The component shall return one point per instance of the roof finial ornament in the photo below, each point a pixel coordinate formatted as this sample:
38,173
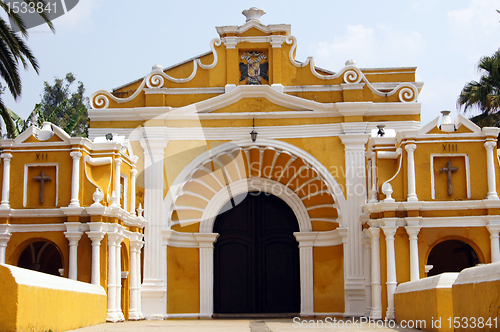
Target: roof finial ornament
253,14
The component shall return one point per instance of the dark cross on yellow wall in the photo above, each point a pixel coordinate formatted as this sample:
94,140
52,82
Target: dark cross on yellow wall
450,170
42,178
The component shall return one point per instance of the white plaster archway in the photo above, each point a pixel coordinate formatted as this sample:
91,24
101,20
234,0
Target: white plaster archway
207,238
186,174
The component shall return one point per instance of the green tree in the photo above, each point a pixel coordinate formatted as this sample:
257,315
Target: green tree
13,52
485,93
64,107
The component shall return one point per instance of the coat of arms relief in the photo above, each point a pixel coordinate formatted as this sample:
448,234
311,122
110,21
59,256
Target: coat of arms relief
254,70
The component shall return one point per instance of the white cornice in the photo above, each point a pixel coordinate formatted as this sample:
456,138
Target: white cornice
235,133
432,206
268,29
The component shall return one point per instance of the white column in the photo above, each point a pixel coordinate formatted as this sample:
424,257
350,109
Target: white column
376,312
112,315
490,162
96,238
389,232
306,240
75,179
4,239
373,169
73,235
119,279
5,204
206,246
494,242
133,174
356,198
368,279
412,189
135,249
138,274
154,284
118,163
414,260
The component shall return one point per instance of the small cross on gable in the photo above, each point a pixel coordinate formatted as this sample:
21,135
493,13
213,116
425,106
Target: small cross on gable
450,170
42,178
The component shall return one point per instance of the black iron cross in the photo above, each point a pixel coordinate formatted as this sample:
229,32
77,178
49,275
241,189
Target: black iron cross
42,178
450,170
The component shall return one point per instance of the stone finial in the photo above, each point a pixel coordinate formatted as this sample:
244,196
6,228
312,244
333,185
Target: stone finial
253,14
446,124
350,63
46,132
139,210
157,68
97,197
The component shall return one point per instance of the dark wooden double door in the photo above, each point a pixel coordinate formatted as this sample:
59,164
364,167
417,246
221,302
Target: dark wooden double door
256,257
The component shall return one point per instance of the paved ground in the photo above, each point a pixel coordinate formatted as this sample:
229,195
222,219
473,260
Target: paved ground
244,325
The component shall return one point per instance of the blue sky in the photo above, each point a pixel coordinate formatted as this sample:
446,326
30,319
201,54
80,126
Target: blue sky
110,43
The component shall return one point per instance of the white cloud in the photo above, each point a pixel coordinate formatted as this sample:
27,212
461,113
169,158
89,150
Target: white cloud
77,16
370,47
475,27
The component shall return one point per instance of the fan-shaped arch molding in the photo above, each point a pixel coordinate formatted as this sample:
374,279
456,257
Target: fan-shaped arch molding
202,188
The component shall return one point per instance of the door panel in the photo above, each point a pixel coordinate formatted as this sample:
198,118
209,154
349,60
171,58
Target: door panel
256,257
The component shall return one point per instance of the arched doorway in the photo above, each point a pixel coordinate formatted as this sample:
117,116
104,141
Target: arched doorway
256,257
451,256
41,256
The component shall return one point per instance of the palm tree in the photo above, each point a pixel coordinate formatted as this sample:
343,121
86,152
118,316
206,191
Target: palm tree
13,50
485,94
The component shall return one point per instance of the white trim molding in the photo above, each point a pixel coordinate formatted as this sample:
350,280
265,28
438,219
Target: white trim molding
467,171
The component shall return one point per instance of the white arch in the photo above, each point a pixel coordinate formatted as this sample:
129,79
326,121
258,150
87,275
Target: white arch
254,184
186,174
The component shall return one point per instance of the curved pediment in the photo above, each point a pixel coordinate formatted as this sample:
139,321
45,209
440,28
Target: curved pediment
266,97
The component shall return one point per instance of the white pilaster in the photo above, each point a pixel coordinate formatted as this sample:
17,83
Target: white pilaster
118,163
306,241
376,312
112,315
96,234
413,229
138,274
356,197
389,232
412,189
368,280
135,277
206,246
5,204
73,234
154,285
75,179
133,174
4,239
118,304
494,242
373,169
490,163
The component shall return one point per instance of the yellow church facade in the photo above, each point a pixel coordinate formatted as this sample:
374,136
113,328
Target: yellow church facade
270,187
369,207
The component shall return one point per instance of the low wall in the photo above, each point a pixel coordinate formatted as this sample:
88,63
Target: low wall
426,303
34,301
476,299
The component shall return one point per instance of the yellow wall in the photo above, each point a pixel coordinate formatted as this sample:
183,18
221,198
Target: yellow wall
183,280
428,305
328,279
31,308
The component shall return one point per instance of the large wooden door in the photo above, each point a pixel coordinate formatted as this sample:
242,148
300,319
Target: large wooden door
256,257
